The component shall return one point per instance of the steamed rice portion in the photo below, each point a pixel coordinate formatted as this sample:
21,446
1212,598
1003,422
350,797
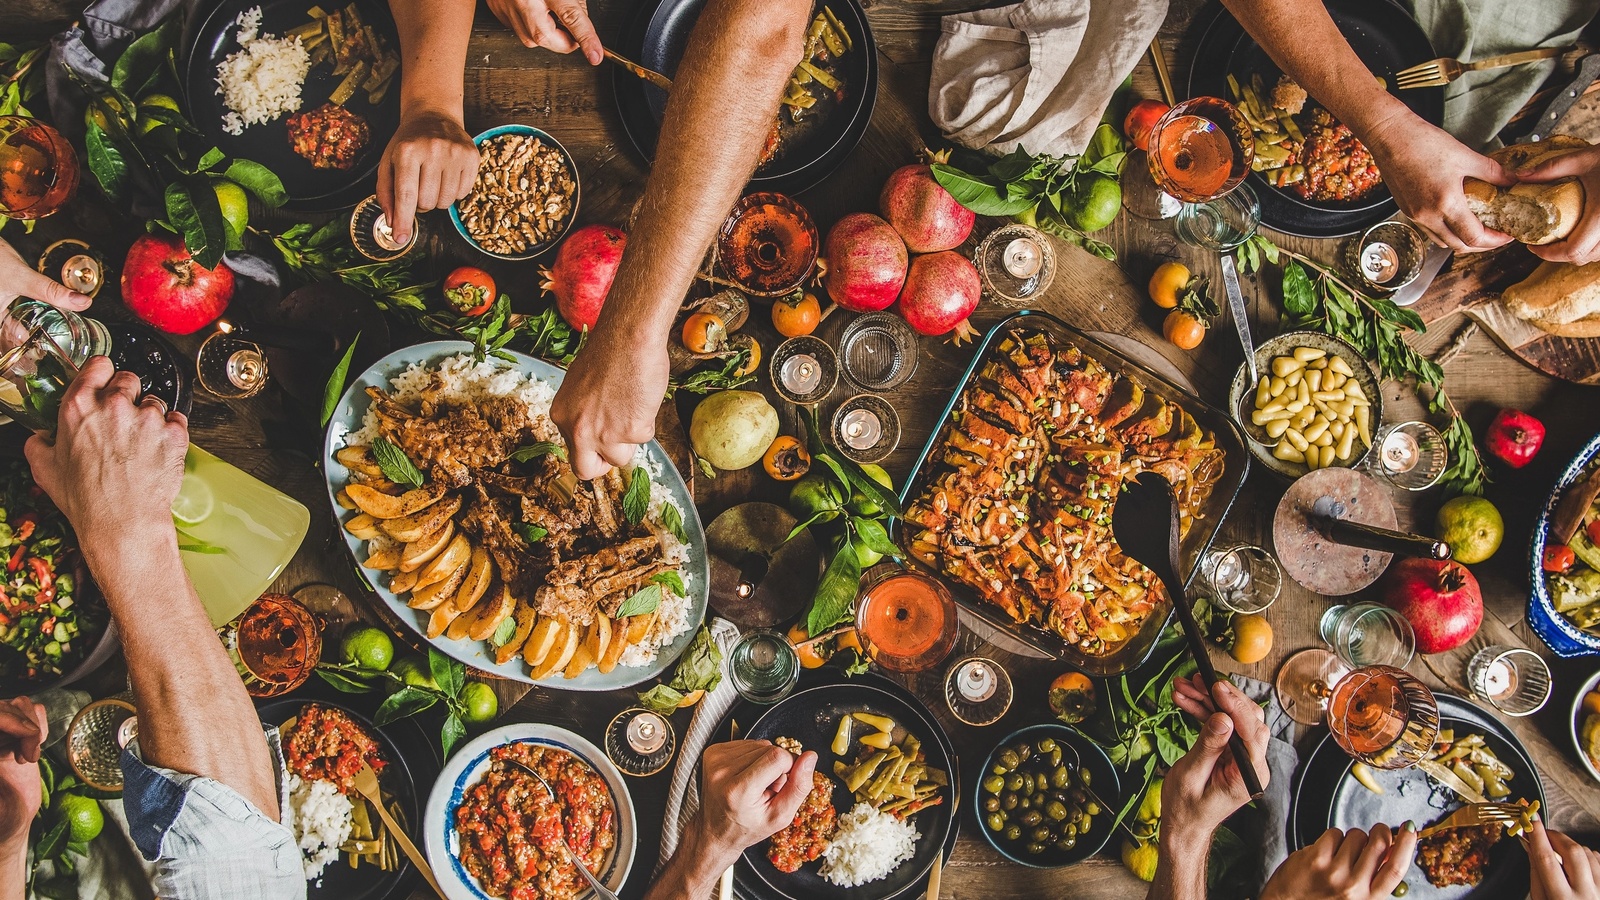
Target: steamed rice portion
322,822
867,845
466,380
262,81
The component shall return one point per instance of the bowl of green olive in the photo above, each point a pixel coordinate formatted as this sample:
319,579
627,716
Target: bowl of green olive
1047,797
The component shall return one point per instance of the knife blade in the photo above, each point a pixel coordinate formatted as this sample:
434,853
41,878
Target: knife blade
1241,317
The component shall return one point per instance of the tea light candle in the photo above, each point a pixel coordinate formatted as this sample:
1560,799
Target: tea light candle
247,368
82,273
976,681
1496,680
647,733
383,234
861,429
801,373
1023,258
1379,262
1400,453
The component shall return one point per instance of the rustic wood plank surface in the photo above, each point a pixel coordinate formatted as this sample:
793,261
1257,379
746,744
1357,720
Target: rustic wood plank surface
269,436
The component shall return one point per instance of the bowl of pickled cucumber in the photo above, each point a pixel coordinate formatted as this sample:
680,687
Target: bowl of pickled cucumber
1047,797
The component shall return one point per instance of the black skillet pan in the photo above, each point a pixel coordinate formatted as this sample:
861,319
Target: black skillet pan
1325,795
1385,37
412,761
657,40
309,188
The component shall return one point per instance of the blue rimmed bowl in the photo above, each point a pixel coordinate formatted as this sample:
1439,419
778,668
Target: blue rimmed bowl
572,213
1558,633
469,765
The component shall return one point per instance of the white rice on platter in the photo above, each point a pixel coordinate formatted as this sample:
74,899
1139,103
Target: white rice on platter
261,81
867,846
322,822
466,380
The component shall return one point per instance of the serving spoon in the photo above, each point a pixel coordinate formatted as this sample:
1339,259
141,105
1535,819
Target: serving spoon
600,890
1145,524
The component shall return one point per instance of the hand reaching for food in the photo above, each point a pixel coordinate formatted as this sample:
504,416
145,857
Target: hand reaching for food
1426,170
749,790
1204,787
559,25
430,163
18,279
1582,245
607,404
1346,865
1560,867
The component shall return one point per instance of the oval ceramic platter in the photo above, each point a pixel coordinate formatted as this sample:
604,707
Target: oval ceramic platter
347,418
470,763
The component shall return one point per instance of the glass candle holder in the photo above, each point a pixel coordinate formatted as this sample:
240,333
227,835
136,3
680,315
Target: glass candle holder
1513,680
878,351
977,690
1368,634
763,666
1409,455
804,370
275,645
231,367
1243,578
373,236
95,741
768,245
865,428
1386,257
1016,264
640,742
75,264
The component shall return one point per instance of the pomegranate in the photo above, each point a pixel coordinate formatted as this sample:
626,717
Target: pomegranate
583,270
922,211
941,290
865,263
164,286
1514,437
1440,599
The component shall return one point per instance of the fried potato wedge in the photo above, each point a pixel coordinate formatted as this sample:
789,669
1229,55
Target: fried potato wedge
430,595
479,572
527,618
454,557
403,582
639,626
462,626
423,522
565,648
383,553
599,637
343,499
358,459
374,502
583,656
378,483
419,553
441,617
542,641
492,610
619,642
362,526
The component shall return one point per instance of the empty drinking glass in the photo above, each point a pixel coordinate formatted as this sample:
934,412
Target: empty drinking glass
1368,634
1514,680
1243,577
1221,224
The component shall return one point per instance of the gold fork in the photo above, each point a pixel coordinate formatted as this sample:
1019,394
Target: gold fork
1478,814
1442,71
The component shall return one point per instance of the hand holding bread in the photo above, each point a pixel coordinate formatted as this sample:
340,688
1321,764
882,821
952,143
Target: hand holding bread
1536,210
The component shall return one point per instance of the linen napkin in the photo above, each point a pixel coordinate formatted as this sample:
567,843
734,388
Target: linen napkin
1282,760
1036,74
683,798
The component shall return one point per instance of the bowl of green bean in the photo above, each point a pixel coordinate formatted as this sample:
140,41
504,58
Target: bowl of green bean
1047,797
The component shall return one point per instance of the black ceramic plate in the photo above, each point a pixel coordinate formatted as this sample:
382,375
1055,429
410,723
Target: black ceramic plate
1325,795
412,761
268,143
810,715
1386,39
657,40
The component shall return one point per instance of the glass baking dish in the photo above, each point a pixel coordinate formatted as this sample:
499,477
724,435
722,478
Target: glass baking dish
1216,508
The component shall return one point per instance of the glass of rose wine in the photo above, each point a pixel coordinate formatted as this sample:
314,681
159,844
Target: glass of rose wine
1200,149
38,168
1383,717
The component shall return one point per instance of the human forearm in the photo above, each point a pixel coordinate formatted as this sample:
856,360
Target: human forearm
14,869
693,871
433,54
724,100
195,716
1180,866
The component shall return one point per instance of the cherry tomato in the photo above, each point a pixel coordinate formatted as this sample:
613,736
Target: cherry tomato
469,290
1559,558
25,525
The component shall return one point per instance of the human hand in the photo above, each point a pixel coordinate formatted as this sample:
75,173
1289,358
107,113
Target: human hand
536,25
1425,169
1204,786
1346,865
1583,244
749,791
430,163
18,279
1561,868
113,467
22,733
607,404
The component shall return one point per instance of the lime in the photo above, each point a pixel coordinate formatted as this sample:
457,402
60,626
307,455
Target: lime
147,123
1094,203
1472,527
83,817
862,505
478,702
235,205
868,556
876,473
368,647
815,494
414,671
194,502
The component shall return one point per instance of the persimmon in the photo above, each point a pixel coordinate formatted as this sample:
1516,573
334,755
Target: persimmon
786,459
705,332
796,315
1168,281
1183,329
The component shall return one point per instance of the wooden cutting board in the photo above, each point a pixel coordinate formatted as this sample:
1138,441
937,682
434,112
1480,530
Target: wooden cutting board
1472,284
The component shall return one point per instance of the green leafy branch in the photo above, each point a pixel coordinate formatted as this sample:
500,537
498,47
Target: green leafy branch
723,378
450,683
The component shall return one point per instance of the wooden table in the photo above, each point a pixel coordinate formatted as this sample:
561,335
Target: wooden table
507,83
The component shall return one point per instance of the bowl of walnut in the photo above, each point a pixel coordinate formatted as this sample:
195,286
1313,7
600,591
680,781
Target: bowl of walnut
525,196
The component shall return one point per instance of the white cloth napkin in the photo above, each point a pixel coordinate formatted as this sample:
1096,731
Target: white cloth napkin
1037,74
683,798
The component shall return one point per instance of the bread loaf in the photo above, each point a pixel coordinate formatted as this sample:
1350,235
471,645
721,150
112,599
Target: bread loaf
1531,213
1559,298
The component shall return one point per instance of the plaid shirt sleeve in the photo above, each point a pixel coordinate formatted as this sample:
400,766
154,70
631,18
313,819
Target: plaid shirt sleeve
208,842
